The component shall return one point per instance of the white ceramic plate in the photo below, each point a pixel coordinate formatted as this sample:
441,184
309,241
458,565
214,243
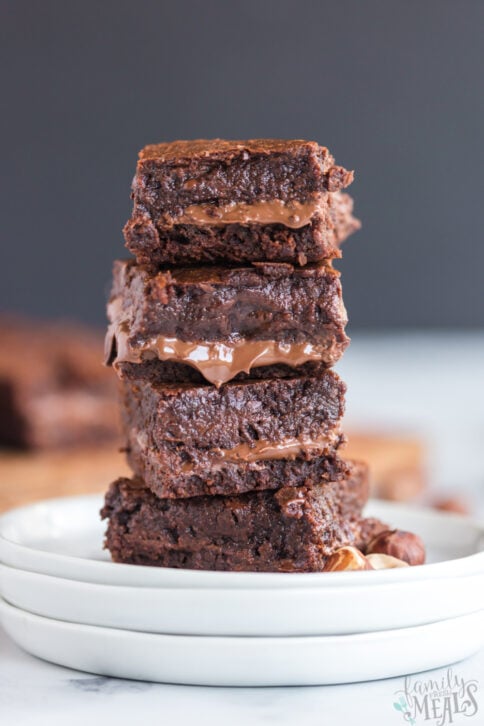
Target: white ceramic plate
244,661
245,612
63,538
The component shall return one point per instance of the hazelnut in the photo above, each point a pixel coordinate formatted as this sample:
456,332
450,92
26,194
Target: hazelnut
384,562
456,505
347,558
404,546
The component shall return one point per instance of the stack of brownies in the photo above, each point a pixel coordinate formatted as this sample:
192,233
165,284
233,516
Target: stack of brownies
223,331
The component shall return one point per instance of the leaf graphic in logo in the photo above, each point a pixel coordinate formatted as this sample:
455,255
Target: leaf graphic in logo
397,706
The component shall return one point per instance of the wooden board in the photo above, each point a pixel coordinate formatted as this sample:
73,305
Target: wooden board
397,463
26,478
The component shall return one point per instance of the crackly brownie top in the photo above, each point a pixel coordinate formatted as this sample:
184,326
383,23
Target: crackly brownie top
184,151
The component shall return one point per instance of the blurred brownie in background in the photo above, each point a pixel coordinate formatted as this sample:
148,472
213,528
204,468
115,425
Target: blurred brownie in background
54,390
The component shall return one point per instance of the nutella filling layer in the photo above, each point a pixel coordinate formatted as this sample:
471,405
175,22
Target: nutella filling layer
286,449
251,453
218,362
291,214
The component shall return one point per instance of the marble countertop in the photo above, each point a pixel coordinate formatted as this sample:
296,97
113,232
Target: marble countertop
430,383
34,693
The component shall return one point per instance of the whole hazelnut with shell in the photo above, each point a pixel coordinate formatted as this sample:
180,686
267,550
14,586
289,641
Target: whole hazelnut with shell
397,543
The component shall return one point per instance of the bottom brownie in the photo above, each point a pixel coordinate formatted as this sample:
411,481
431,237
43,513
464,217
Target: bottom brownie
287,530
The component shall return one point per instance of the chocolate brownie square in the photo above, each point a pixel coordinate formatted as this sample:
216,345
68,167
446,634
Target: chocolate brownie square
287,530
188,440
171,177
238,201
224,321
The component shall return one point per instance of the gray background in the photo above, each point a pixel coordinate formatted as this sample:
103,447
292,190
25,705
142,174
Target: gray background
394,88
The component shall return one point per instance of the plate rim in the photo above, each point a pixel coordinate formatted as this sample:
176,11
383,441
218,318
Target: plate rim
174,610
374,635
243,661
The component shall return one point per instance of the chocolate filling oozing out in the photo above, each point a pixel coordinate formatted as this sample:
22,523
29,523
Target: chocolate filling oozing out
158,371
288,530
224,321
188,440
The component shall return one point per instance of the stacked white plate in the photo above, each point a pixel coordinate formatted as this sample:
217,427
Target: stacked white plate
65,602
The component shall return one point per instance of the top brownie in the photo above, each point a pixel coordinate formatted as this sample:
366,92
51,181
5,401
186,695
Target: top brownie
172,176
